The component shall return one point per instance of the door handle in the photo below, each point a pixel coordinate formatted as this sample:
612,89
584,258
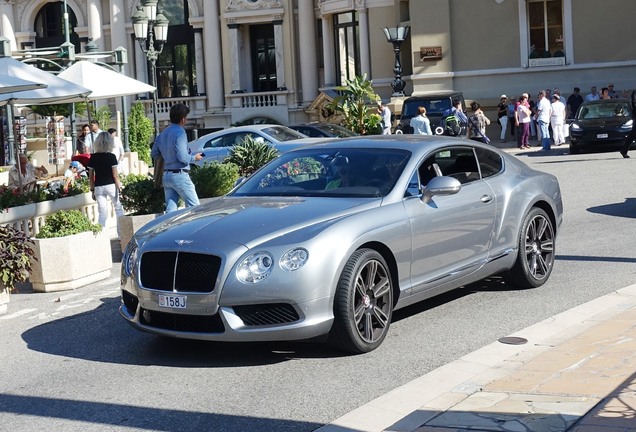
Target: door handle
486,198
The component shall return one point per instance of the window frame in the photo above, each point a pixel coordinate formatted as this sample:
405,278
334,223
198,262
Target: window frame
524,36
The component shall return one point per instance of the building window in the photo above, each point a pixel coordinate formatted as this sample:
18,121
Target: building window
49,26
346,29
263,50
176,65
545,29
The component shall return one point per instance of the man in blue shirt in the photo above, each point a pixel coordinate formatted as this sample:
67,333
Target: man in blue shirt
172,145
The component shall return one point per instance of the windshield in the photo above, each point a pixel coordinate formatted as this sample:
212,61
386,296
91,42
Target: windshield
346,172
604,110
283,133
434,107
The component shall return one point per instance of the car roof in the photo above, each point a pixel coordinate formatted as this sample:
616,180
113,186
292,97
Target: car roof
606,101
247,128
436,94
417,144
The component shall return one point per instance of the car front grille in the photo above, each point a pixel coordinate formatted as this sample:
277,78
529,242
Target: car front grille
266,314
179,271
183,323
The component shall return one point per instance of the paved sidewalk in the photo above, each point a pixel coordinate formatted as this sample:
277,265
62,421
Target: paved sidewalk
577,372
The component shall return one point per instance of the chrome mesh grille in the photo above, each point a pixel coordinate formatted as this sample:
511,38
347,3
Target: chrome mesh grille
179,271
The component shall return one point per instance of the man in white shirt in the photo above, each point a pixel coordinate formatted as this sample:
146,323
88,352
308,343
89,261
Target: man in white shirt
544,109
91,137
385,113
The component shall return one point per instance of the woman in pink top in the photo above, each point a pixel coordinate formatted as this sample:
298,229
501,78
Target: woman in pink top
523,122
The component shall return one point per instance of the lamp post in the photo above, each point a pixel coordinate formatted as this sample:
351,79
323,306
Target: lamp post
151,28
396,36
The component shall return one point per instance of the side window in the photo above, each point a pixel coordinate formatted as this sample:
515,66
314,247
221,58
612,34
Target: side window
490,163
464,165
213,143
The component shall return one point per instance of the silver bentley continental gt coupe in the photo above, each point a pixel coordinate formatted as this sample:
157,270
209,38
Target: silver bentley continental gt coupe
326,241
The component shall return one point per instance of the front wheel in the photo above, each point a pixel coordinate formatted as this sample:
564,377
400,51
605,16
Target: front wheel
536,251
363,304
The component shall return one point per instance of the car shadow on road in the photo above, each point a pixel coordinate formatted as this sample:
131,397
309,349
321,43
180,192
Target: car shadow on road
101,335
119,416
626,209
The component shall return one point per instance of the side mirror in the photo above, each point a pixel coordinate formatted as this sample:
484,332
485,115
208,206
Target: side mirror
440,186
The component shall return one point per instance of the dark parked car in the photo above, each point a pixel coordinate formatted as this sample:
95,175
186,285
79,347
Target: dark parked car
318,130
436,103
601,124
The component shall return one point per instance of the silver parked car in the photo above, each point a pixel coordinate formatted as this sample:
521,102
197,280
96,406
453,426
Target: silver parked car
328,240
216,146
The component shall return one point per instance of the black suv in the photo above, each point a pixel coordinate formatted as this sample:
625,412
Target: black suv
435,102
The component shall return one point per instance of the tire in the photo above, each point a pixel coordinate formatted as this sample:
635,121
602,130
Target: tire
535,259
363,304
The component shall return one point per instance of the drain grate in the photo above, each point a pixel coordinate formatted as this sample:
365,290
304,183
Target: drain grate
512,340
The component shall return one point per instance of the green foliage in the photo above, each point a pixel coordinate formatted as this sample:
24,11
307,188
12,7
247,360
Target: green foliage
16,255
63,110
214,179
250,155
11,197
65,223
139,195
140,132
353,105
103,115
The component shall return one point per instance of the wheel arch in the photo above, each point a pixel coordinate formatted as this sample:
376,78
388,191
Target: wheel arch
388,256
546,207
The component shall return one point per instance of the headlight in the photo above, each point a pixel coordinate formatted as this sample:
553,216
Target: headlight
255,267
628,125
575,127
130,257
294,259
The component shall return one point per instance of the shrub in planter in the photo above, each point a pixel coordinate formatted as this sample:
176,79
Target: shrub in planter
250,155
214,179
71,252
16,256
66,223
140,196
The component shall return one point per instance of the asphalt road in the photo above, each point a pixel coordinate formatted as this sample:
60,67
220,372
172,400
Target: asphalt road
70,363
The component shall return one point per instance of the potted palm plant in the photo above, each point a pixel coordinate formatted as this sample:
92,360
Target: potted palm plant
16,258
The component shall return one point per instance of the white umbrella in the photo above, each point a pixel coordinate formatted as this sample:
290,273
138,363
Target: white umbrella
58,90
103,82
10,84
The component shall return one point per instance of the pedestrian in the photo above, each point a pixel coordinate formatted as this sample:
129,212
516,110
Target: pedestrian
81,140
544,110
385,114
118,149
522,122
632,135
593,95
477,123
104,178
420,123
172,145
557,120
573,103
512,114
89,140
502,116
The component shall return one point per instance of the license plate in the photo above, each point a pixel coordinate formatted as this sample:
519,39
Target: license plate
601,136
172,301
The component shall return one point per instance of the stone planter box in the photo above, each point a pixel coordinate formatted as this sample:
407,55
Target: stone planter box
4,177
128,226
66,263
4,299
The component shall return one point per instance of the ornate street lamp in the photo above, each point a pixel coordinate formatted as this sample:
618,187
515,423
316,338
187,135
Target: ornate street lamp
151,28
396,36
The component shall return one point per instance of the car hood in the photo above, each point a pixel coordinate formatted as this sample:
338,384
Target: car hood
248,221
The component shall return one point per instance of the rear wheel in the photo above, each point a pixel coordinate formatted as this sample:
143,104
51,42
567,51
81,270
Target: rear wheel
363,305
536,251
